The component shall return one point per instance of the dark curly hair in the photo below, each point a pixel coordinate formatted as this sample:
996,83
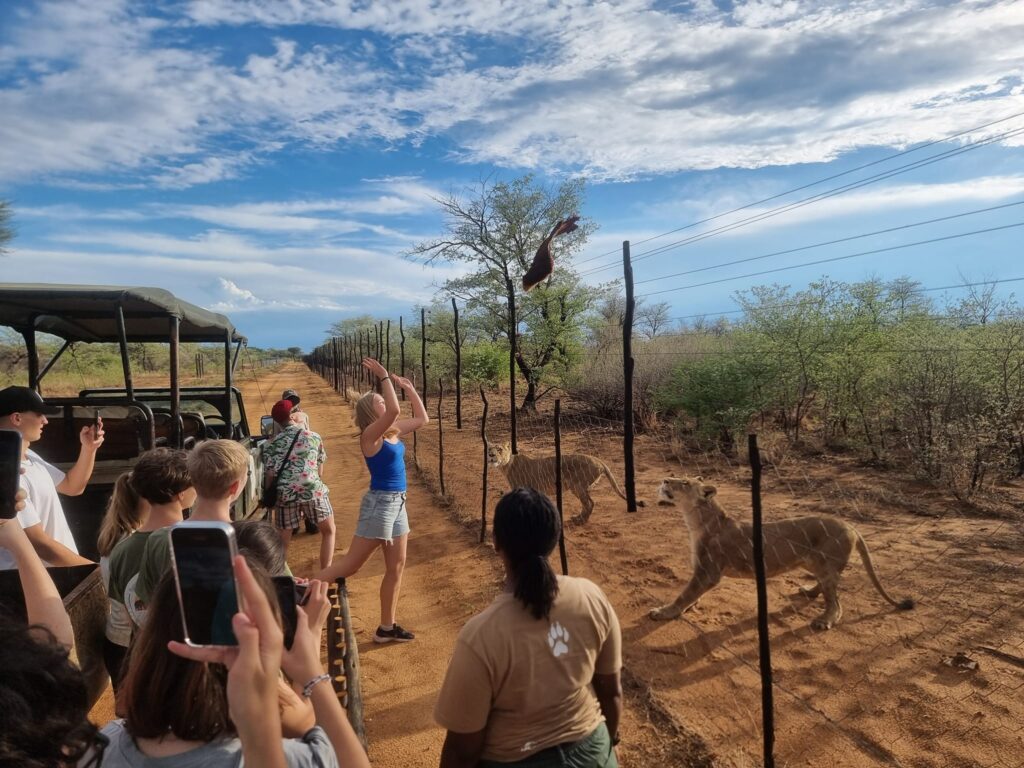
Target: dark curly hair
43,700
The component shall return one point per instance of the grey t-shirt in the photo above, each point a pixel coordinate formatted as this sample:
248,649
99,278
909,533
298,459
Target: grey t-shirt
311,751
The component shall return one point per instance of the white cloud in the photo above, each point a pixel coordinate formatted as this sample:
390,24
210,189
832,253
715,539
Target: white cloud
610,89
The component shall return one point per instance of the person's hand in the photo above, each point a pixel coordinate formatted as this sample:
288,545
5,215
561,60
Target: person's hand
402,382
297,715
92,436
254,664
12,535
302,662
375,368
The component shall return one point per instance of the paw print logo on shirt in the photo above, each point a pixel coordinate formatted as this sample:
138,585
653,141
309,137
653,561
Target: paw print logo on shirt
558,640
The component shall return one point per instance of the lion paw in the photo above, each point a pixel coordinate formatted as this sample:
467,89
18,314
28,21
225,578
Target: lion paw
665,613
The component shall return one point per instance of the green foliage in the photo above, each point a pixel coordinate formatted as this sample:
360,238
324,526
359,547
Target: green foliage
720,393
497,228
485,362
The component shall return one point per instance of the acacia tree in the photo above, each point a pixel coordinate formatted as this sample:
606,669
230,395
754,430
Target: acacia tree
497,228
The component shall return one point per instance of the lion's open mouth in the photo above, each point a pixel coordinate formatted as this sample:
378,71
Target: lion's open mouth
665,497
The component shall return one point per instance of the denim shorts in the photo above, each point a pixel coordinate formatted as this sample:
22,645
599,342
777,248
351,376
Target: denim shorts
382,515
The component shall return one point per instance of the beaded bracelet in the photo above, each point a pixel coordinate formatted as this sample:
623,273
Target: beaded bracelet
307,689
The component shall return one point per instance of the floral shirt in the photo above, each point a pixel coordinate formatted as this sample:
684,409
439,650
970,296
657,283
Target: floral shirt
300,477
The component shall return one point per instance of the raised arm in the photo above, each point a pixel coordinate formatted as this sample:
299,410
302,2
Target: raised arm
419,412
43,603
77,478
302,664
376,431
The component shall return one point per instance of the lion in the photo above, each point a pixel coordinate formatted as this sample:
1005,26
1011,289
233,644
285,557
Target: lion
721,546
579,472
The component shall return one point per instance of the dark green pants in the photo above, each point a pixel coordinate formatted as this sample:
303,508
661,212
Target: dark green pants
593,751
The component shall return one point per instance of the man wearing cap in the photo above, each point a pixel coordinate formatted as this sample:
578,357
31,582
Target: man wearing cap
23,410
293,397
297,455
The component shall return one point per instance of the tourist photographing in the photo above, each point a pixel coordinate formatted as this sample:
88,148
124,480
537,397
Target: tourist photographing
383,519
24,411
518,687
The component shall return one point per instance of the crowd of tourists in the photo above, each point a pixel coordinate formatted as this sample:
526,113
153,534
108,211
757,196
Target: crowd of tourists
533,679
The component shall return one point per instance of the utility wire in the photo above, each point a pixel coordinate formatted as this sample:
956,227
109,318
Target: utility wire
831,242
811,184
810,200
788,304
836,258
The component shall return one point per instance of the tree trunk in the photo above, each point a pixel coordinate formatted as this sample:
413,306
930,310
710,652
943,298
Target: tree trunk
530,399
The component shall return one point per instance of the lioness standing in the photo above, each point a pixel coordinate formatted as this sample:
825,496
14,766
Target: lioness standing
579,472
721,546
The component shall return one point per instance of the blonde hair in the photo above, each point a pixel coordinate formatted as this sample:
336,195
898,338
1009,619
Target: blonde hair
214,465
364,415
123,515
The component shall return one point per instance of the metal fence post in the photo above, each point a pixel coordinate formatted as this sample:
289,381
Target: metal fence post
763,643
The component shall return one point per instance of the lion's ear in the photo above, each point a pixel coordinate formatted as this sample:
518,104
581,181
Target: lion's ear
709,491
700,478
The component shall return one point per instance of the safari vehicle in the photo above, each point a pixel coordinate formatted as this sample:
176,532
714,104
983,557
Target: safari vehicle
135,419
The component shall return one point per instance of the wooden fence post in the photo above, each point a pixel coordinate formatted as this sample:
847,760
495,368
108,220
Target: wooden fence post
440,439
401,333
423,351
627,380
558,487
458,368
483,438
763,642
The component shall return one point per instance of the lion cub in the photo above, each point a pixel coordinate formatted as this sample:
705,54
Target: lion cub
579,472
723,547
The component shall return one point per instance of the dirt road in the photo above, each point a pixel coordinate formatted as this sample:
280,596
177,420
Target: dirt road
449,577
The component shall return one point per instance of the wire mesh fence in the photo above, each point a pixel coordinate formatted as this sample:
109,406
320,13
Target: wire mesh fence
858,677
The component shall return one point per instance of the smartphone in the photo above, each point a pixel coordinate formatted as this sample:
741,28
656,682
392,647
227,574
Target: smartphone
289,595
95,422
10,471
202,554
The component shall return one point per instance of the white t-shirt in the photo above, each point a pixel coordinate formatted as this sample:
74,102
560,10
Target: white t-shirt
43,507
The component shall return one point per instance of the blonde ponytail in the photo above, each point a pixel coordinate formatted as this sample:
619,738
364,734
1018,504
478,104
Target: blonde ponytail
122,516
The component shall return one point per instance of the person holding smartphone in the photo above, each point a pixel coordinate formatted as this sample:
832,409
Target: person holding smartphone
44,717
383,519
24,411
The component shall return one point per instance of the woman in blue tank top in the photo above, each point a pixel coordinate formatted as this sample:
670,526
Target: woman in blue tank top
383,521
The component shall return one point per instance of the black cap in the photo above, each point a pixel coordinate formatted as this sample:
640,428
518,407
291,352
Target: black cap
291,394
21,399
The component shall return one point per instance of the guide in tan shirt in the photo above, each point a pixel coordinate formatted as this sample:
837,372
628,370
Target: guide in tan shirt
519,684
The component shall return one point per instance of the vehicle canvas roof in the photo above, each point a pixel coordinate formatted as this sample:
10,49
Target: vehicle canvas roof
86,313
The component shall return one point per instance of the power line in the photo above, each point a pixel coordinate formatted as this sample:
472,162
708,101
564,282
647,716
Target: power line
835,258
831,242
812,199
786,305
812,184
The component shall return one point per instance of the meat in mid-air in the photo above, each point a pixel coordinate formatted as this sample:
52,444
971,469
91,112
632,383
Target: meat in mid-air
543,262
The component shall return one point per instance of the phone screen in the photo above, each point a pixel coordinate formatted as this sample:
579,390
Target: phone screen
287,599
206,581
10,471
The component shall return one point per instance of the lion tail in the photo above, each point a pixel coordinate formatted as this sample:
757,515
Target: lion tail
865,557
611,479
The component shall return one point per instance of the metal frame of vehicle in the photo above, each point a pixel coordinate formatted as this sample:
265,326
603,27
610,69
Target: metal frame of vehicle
111,314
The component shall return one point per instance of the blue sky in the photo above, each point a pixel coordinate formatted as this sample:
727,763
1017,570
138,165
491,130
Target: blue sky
274,160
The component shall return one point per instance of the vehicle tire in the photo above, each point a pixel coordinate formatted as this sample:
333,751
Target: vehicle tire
343,658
